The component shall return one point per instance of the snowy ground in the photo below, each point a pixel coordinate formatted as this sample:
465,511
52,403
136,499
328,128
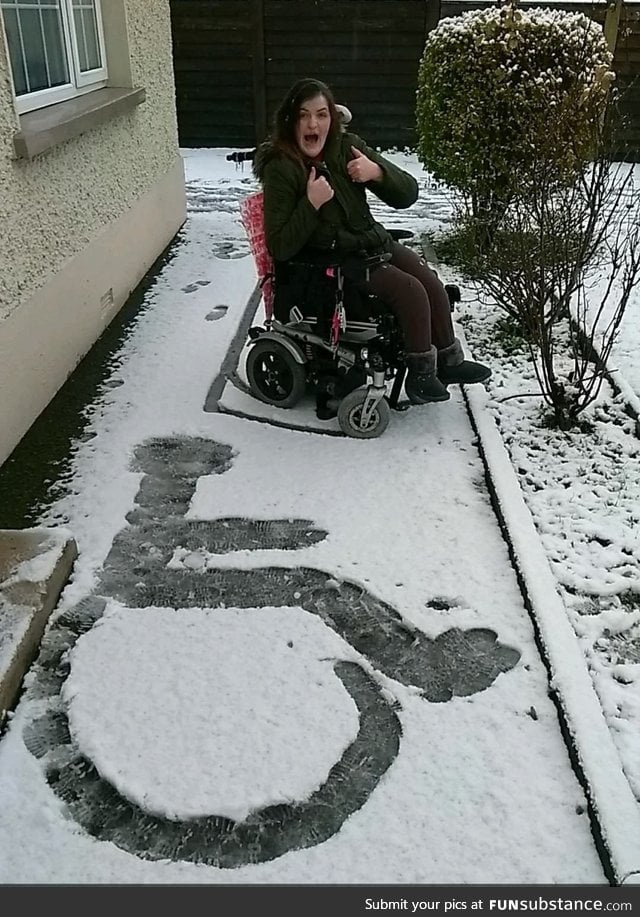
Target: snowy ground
388,718
583,490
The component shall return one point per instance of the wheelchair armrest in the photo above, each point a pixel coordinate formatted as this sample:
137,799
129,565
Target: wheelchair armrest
319,262
376,259
344,263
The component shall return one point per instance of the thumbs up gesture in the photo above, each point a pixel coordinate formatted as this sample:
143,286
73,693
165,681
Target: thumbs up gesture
319,191
362,169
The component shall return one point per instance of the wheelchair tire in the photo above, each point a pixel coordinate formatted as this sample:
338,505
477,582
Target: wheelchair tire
274,376
350,411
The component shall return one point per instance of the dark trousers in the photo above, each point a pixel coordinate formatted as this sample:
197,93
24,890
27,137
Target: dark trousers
414,293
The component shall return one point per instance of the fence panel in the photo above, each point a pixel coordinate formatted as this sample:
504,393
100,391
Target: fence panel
213,56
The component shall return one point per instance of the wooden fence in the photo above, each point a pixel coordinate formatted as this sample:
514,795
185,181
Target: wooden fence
234,59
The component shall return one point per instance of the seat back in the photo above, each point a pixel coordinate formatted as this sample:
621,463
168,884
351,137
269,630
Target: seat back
306,288
311,288
252,216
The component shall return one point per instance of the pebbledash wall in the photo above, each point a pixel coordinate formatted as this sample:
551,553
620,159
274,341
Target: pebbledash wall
92,192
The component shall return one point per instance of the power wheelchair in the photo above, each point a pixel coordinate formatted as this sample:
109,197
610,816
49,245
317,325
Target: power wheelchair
326,336
322,334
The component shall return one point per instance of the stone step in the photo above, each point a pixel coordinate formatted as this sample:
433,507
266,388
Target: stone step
35,565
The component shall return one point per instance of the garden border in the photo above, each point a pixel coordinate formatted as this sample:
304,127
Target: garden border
613,809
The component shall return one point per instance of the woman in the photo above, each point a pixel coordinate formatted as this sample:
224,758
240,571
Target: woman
315,176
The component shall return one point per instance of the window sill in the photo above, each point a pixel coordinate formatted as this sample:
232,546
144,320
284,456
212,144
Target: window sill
47,127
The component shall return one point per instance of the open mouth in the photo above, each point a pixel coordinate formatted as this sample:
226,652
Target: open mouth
311,139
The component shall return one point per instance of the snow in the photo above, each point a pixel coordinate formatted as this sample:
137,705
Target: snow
216,709
222,706
46,545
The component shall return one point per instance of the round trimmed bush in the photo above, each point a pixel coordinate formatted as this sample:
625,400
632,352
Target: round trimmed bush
502,90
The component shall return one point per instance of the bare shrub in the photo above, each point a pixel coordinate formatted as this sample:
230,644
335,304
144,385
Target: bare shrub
563,264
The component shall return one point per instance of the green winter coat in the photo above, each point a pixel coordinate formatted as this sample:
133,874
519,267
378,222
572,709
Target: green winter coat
344,224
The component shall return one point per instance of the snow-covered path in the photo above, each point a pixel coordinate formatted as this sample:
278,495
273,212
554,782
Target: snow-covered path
283,657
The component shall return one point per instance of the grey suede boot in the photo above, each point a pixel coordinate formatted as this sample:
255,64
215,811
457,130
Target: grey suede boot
422,384
452,366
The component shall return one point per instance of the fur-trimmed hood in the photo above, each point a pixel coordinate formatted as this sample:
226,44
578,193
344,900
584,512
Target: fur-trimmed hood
264,154
343,224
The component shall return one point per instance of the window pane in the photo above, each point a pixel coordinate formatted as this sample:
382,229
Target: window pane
15,51
33,44
56,52
36,44
84,17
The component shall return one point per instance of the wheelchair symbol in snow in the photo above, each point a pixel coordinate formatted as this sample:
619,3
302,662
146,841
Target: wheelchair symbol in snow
455,663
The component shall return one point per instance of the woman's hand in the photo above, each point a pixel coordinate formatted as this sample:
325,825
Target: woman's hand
362,169
319,191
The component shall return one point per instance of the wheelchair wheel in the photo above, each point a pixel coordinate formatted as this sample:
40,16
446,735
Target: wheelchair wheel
274,376
350,413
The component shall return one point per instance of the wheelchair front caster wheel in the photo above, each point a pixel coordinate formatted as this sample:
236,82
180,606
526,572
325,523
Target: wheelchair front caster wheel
350,416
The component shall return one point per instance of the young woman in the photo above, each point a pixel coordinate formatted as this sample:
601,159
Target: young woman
315,176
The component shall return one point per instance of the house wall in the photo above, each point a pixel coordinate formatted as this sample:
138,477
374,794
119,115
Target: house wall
83,222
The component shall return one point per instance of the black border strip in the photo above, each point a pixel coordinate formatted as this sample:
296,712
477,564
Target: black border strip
232,356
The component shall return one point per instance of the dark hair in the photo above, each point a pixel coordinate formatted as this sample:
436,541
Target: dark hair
286,116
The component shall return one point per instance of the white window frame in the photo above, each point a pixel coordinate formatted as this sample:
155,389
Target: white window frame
81,83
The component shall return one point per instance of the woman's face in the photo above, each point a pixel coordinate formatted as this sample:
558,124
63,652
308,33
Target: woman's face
312,127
